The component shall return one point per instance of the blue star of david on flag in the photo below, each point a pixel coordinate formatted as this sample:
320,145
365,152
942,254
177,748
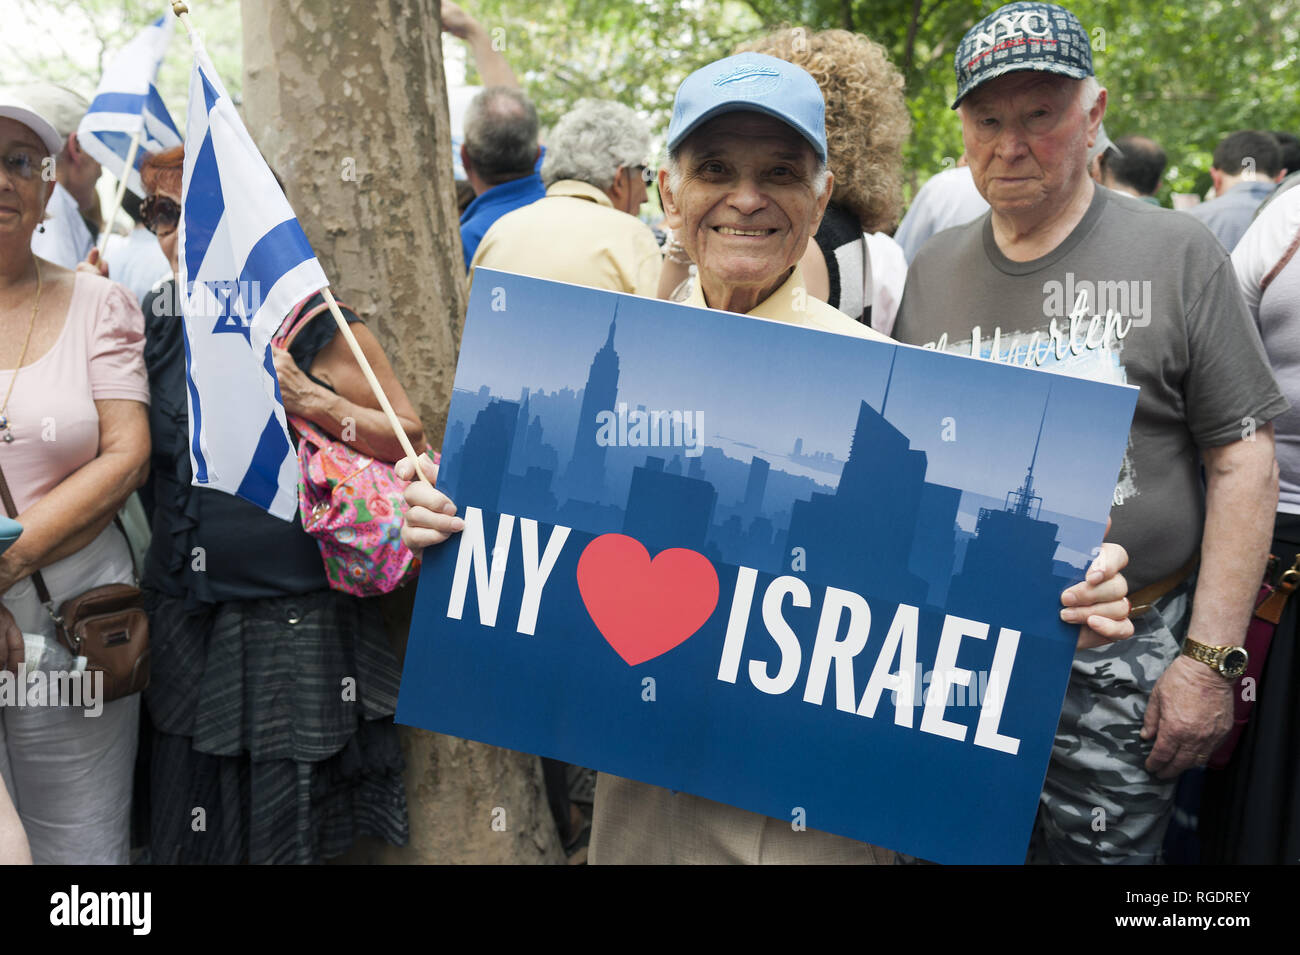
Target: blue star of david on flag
228,317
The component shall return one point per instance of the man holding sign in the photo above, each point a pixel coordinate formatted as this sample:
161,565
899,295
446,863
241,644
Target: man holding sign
745,188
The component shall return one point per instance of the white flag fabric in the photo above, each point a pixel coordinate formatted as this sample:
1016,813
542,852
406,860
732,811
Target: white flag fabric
127,102
244,264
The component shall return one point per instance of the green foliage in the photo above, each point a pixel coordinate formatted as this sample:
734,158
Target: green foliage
1183,75
1187,76
634,52
71,42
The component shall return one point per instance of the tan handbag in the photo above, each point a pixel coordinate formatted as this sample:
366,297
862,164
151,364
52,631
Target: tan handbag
107,625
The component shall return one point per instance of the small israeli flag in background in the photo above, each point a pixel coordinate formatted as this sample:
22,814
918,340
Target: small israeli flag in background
126,103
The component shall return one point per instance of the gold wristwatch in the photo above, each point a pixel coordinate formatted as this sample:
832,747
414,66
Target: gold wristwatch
1228,662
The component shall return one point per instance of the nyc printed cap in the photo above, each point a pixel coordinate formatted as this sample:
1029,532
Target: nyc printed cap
754,82
1022,36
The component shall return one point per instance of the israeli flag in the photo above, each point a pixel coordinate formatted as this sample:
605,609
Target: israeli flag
126,103
244,264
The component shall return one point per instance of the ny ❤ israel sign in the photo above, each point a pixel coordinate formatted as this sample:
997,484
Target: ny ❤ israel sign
812,576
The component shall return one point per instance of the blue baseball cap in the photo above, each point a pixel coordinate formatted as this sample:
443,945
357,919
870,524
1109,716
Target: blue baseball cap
1022,36
751,82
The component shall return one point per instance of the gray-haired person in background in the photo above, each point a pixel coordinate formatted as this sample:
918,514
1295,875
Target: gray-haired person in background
500,158
585,230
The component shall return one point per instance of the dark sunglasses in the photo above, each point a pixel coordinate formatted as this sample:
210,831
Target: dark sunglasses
159,211
648,175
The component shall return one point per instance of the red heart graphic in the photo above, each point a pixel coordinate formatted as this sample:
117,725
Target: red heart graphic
644,608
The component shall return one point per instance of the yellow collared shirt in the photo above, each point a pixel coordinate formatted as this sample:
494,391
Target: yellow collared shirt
574,234
792,304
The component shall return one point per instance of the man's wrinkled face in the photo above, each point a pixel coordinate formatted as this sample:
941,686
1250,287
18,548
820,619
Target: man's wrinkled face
745,207
1027,141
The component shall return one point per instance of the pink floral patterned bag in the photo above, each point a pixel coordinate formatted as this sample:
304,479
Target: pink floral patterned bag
350,502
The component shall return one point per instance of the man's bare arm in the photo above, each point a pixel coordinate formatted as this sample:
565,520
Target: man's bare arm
1190,710
493,69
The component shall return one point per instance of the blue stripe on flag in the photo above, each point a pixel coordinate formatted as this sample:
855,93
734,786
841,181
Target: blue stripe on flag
155,106
275,253
196,408
210,94
268,362
261,481
120,143
132,103
204,207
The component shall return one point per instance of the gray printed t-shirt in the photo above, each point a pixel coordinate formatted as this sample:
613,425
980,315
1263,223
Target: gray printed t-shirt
1134,295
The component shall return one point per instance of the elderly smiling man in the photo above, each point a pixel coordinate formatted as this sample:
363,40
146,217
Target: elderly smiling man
745,187
1066,275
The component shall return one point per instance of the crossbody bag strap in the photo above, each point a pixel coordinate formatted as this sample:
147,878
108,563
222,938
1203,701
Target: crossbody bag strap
302,321
42,592
1281,264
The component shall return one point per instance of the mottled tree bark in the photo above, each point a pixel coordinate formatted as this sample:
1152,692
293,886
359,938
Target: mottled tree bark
349,104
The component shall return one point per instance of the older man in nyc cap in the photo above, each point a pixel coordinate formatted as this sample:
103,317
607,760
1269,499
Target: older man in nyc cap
1068,276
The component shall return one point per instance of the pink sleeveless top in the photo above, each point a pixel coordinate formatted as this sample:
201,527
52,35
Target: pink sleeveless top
99,355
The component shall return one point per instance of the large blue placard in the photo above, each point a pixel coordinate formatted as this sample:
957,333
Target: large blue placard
812,576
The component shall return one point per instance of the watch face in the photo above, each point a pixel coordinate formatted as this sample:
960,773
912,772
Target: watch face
1234,663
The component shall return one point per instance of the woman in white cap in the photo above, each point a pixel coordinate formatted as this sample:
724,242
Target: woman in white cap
74,443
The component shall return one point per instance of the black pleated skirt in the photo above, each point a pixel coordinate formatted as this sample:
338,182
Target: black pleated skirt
273,734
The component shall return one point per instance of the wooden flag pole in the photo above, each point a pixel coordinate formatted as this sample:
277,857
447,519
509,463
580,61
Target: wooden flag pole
180,9
375,386
121,190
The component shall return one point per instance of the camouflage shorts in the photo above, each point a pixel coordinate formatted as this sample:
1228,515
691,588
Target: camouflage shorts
1099,804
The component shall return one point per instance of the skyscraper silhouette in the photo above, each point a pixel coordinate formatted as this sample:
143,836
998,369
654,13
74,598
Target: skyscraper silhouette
485,456
861,536
755,488
518,464
668,510
585,477
1012,548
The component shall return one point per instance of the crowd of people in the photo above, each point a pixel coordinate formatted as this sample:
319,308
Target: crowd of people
781,189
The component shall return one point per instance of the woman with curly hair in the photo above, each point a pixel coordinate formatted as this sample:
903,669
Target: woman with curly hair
853,264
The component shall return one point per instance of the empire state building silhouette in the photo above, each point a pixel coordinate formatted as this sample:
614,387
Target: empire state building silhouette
585,478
